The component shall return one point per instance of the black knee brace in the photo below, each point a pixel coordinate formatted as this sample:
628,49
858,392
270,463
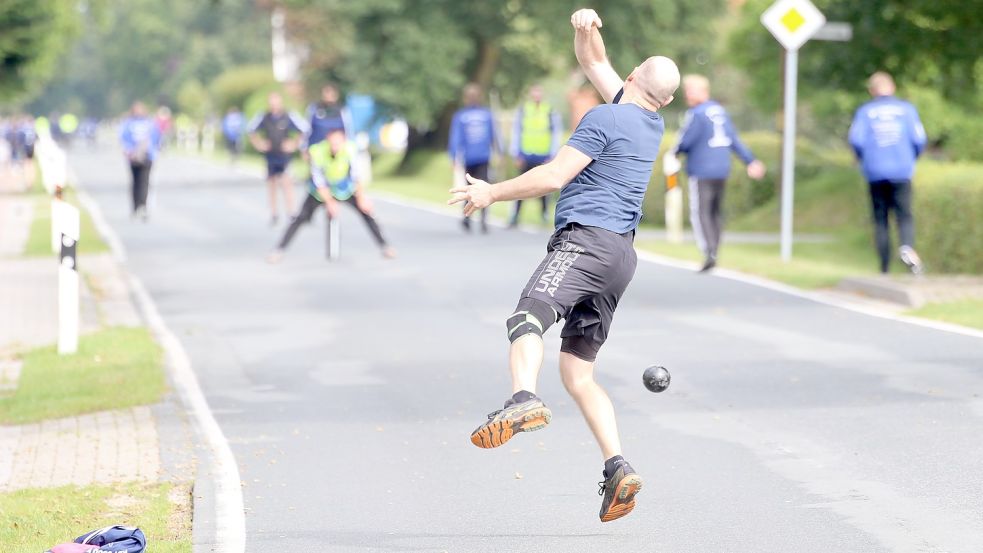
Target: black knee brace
531,317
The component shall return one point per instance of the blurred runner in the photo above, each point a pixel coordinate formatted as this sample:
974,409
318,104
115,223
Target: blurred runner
603,172
707,138
334,180
140,137
233,125
472,141
328,114
535,138
887,136
276,134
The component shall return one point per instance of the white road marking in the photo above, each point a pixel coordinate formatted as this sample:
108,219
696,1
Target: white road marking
230,521
817,297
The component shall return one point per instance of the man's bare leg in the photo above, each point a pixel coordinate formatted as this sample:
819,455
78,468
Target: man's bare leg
578,379
271,184
288,193
525,360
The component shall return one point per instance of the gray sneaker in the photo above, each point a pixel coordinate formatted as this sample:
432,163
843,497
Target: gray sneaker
619,490
528,416
910,258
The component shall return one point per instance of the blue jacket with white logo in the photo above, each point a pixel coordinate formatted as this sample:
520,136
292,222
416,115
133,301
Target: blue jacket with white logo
140,137
888,137
473,136
707,138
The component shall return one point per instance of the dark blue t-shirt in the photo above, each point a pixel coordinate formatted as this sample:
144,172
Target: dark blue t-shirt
623,140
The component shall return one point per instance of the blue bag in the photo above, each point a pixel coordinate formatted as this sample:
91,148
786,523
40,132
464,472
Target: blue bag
118,539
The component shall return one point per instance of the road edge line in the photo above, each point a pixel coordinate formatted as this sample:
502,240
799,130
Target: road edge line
230,521
730,274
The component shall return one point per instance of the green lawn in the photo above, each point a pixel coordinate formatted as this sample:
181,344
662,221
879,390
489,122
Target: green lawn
812,265
114,368
39,239
968,312
37,519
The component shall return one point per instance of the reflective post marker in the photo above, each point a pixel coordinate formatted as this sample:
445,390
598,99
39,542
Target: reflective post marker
68,278
788,150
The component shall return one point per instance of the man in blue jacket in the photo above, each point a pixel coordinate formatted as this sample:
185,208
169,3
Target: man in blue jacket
140,138
472,140
888,137
328,114
707,138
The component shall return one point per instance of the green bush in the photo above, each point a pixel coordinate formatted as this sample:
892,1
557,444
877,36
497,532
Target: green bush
948,206
236,85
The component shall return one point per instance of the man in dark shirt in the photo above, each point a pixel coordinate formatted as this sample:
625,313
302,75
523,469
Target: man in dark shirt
602,173
276,134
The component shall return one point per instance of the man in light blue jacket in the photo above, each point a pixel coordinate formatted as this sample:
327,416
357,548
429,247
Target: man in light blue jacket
887,136
140,138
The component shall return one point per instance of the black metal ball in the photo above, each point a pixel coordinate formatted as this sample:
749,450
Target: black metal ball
656,378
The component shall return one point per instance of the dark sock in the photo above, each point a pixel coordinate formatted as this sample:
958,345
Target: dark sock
521,396
612,464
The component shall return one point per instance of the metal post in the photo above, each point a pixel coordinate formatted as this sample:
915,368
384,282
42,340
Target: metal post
334,239
788,151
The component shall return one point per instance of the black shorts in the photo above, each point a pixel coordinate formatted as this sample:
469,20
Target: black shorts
276,164
478,170
583,276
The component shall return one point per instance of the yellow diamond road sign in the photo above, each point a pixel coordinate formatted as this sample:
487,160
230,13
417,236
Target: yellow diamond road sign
792,22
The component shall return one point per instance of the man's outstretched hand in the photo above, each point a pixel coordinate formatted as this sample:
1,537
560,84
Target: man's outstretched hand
585,19
477,195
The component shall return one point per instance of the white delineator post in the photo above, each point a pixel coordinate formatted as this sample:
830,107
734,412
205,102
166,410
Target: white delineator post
788,150
67,221
792,22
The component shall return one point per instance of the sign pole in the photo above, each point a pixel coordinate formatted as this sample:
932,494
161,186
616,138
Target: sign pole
788,150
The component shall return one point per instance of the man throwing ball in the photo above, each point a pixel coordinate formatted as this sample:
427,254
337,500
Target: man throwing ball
602,173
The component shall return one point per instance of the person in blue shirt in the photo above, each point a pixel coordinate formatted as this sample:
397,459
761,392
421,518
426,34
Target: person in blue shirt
708,138
535,139
327,115
602,174
233,127
140,138
887,136
473,139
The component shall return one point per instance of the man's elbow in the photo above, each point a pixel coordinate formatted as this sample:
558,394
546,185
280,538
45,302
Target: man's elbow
555,179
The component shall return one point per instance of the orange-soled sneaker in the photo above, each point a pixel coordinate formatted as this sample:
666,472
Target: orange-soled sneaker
619,490
525,416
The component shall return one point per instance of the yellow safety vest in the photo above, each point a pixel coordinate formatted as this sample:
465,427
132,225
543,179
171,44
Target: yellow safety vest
336,168
536,135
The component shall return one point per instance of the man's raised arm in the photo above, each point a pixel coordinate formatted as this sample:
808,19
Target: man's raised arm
591,56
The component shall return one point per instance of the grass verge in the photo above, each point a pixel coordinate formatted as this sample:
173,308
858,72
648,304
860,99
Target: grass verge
115,368
39,238
38,518
968,312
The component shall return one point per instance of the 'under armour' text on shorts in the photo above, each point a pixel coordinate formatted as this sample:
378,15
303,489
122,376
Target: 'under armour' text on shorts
584,274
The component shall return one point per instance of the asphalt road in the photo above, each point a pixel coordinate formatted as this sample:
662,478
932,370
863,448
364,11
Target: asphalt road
348,391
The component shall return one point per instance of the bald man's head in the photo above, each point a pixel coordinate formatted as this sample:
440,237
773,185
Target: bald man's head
697,89
656,80
881,84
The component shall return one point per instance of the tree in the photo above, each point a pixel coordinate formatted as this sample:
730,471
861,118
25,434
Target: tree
146,49
415,55
931,48
32,36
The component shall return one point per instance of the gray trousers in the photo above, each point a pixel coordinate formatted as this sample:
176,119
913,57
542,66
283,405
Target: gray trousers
706,198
